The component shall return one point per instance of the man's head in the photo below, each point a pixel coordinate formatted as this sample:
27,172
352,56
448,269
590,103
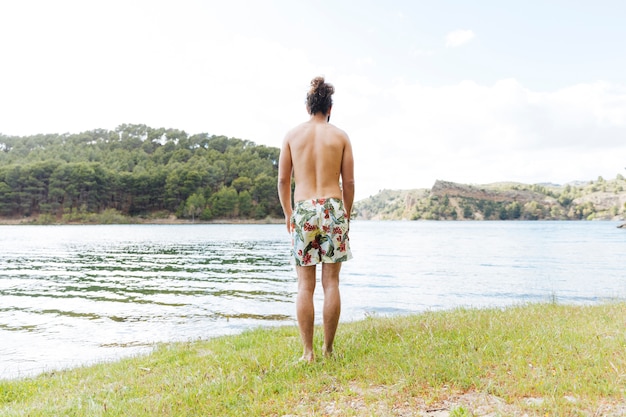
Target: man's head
319,98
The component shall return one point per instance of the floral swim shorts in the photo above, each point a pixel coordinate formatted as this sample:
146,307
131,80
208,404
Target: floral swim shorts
319,231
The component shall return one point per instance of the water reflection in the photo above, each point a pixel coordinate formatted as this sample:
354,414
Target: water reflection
84,289
71,295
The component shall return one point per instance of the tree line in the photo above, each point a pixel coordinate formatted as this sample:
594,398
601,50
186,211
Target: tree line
137,171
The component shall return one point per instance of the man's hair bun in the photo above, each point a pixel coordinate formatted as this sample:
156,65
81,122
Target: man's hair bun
319,98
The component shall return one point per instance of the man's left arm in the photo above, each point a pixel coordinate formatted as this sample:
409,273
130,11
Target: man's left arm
347,178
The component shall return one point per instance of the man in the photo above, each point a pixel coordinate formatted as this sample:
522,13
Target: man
320,156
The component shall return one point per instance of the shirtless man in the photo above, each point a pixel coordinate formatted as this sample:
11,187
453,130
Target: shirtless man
319,155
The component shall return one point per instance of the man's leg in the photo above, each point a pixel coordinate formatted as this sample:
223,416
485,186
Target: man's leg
332,304
305,309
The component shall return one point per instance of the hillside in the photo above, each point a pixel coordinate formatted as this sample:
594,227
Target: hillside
601,199
136,172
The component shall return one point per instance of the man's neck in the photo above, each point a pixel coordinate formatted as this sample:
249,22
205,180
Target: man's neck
319,118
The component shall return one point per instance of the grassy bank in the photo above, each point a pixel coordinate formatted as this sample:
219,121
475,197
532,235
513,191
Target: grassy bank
544,359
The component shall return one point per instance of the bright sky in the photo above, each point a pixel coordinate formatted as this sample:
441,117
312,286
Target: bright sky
472,92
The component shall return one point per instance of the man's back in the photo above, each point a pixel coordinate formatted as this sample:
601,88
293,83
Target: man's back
317,154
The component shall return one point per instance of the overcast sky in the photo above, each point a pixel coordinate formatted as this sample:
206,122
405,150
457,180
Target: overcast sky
472,92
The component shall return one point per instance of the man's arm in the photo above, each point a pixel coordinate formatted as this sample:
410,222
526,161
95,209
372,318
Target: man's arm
347,177
285,168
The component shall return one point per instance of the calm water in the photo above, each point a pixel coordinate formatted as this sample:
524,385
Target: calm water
73,295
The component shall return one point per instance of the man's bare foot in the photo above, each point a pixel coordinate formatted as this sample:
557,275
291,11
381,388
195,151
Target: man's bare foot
328,353
308,357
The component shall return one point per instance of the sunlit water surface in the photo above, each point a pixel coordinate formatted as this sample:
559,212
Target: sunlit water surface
74,295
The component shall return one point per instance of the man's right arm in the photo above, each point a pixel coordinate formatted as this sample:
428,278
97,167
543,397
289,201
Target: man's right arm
285,168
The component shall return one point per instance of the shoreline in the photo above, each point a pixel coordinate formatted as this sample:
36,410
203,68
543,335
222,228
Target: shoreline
31,221
532,359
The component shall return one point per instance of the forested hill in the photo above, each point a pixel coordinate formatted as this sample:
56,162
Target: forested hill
600,199
138,171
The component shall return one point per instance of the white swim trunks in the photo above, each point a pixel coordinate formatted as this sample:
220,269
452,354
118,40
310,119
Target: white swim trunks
319,230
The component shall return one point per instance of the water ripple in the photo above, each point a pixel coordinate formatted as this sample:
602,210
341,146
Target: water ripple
71,295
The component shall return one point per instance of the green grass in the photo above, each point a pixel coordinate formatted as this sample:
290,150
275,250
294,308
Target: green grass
572,358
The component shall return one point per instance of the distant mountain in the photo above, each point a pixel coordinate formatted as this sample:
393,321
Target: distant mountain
600,199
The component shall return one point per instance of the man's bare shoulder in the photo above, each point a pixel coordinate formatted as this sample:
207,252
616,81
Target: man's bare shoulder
297,131
308,130
338,131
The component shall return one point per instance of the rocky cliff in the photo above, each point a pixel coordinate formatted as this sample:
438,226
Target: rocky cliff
501,201
488,192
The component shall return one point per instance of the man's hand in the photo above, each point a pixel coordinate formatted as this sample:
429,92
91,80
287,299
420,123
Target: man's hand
288,223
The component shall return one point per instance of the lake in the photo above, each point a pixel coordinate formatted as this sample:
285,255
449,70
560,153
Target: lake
75,295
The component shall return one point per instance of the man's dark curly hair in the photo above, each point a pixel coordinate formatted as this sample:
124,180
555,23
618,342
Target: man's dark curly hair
319,98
